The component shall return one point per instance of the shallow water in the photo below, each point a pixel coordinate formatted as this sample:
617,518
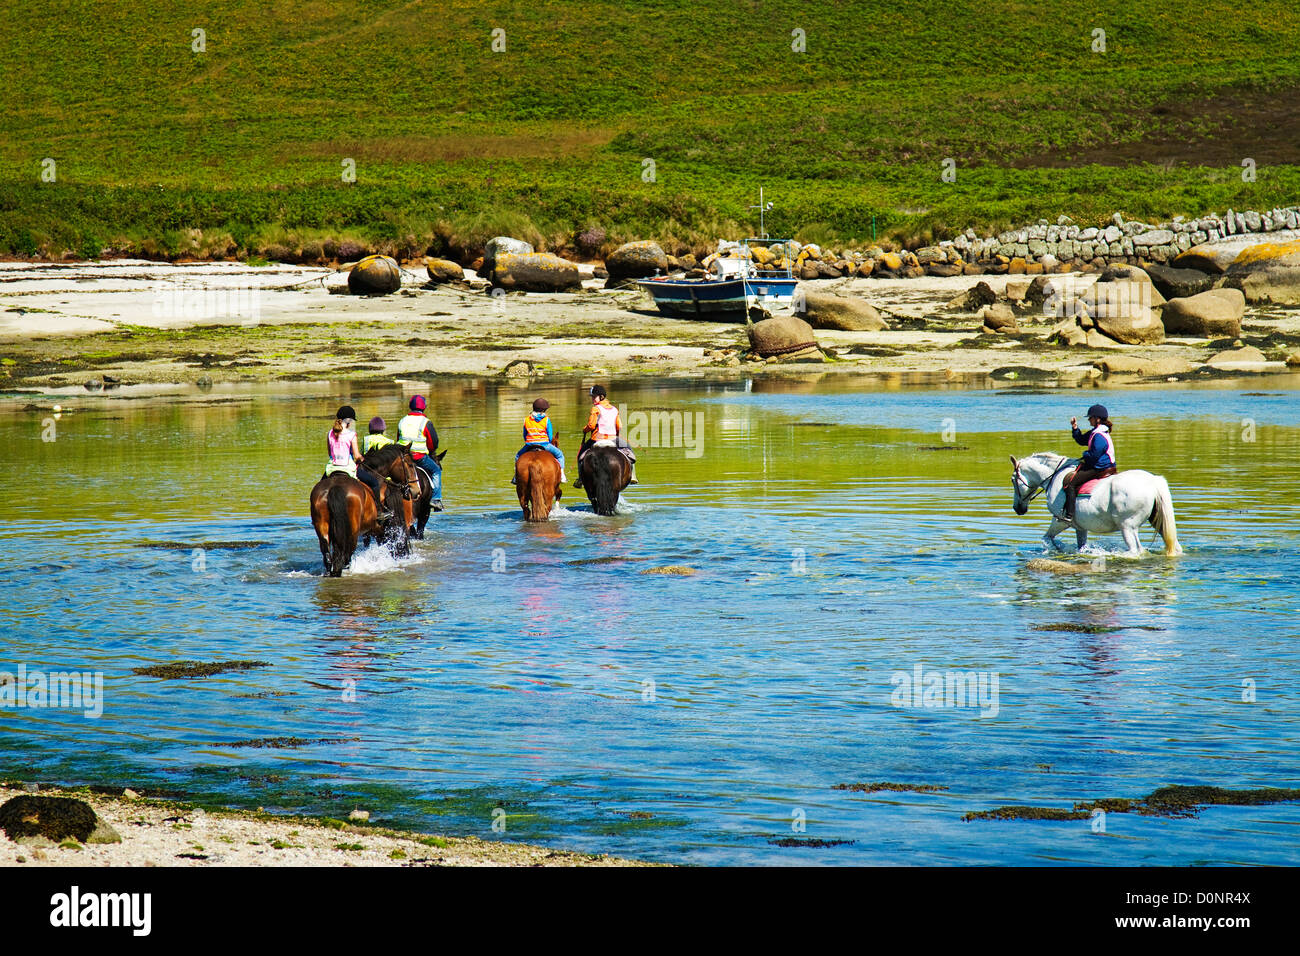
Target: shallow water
839,534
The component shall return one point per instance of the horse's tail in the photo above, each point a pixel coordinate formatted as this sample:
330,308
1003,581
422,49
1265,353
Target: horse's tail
1162,517
343,537
538,508
604,496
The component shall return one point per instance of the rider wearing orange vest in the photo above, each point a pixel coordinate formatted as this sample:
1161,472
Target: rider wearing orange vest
540,433
603,423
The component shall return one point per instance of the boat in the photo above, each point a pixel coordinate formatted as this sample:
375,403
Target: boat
734,283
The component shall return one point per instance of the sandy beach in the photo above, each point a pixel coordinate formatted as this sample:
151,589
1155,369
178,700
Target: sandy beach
167,833
67,327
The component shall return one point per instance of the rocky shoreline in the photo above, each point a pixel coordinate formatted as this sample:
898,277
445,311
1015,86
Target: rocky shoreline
127,829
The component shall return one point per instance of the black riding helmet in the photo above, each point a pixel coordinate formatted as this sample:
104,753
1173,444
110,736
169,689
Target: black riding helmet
1098,411
346,411
598,391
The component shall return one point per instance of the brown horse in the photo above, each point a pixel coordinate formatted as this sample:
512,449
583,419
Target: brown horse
605,471
537,482
424,500
343,508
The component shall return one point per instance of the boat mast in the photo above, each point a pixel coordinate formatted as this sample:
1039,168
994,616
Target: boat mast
762,210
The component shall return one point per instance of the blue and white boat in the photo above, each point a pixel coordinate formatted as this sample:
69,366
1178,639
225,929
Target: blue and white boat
733,285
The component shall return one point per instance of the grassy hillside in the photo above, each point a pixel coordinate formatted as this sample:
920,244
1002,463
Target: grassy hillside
454,142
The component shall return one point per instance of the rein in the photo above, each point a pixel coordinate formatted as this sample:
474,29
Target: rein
1046,484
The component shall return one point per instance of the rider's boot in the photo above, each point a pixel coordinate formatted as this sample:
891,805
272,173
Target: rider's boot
563,479
382,514
632,480
1070,494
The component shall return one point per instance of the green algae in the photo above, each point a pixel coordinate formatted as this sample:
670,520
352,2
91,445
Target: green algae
55,818
896,787
1173,801
187,669
1026,813
809,842
287,743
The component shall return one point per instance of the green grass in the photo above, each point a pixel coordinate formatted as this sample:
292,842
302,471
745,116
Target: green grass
237,151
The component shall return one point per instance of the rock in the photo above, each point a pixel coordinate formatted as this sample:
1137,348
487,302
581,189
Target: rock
635,260
888,262
1267,273
129,794
1068,333
998,317
824,310
1016,291
943,269
1017,266
1216,312
1179,283
374,275
1245,358
974,298
103,833
497,246
1148,366
1142,288
1134,326
1293,360
1040,290
362,816
929,254
534,272
1155,237
55,818
443,270
1096,340
784,335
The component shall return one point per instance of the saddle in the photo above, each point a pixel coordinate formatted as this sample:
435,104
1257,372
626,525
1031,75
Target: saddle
1087,488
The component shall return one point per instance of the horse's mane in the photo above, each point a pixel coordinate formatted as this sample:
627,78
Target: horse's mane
383,457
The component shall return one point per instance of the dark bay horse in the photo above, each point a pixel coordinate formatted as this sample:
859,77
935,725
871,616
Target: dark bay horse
537,482
424,502
605,471
343,508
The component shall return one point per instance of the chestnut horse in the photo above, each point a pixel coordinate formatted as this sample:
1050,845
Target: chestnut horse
537,482
605,471
343,508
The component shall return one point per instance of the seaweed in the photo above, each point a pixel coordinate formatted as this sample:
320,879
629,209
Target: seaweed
1026,813
899,787
287,743
1172,801
55,818
186,669
795,841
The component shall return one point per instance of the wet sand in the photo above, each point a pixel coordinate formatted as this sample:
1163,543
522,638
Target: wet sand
65,325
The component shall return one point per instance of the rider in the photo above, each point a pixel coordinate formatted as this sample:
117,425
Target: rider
1098,461
345,456
417,431
376,438
540,433
603,423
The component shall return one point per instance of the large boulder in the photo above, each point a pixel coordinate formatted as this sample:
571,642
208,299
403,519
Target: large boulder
54,818
534,272
443,270
997,318
498,246
1267,273
1131,327
823,310
784,335
1216,312
636,260
1247,358
974,298
1179,283
1157,365
374,275
1120,306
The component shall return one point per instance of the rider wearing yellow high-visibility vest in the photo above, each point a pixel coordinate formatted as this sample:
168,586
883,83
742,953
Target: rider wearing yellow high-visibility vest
603,423
417,431
376,438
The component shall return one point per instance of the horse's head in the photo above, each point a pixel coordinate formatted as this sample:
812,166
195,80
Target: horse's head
1020,487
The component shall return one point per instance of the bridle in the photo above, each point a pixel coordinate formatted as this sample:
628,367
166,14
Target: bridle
407,493
1018,479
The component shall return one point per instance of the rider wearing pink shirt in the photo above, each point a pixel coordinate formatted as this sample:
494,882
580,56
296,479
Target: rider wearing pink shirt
345,456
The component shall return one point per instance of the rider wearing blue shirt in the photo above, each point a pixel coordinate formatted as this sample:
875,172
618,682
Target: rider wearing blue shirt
1098,461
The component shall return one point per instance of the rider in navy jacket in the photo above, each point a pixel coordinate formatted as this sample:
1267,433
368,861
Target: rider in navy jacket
1098,461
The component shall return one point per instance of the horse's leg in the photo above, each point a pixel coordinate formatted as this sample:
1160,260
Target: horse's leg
1132,537
1081,537
1053,529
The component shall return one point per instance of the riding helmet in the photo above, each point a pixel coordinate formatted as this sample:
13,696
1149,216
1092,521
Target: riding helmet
598,391
346,411
1098,411
541,405
417,403
377,424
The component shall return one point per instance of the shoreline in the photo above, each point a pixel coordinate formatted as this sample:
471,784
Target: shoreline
165,832
80,329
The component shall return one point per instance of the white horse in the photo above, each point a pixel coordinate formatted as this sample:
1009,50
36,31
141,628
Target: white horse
1120,503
